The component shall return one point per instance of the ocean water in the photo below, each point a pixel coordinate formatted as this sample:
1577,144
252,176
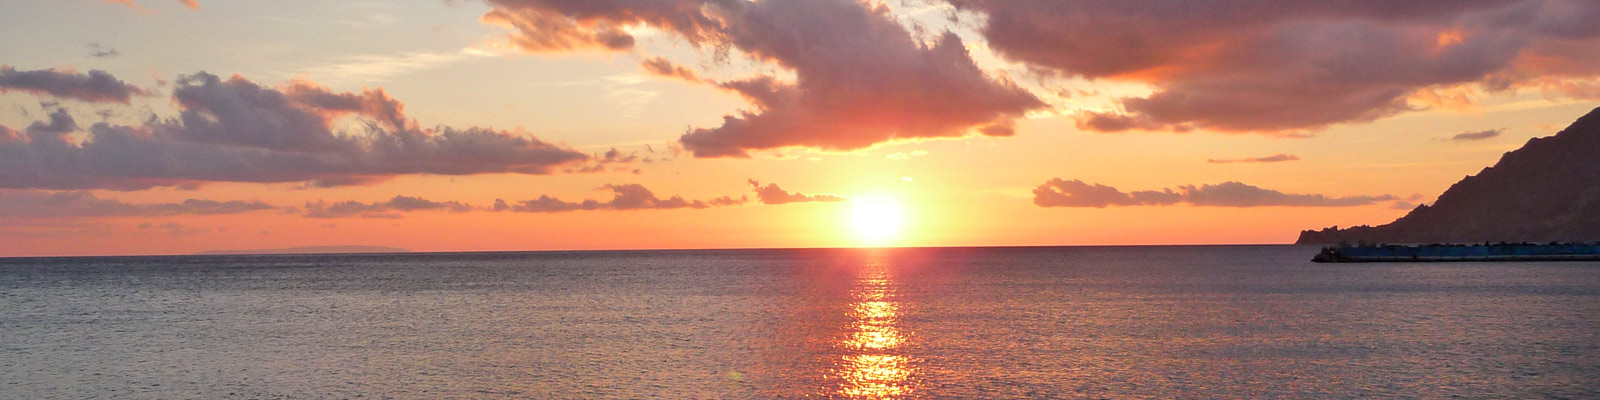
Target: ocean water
1067,322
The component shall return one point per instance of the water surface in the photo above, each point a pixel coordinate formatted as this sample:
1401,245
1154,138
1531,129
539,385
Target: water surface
1067,322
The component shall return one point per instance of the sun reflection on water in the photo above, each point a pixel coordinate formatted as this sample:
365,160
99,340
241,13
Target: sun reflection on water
872,367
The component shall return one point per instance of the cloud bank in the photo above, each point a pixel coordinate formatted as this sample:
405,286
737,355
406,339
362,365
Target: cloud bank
384,209
1076,193
25,204
860,77
1294,65
630,196
235,130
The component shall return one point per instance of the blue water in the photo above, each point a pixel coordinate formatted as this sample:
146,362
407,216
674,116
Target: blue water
1067,322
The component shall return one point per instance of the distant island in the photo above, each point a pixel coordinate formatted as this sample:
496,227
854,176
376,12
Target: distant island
313,250
1548,190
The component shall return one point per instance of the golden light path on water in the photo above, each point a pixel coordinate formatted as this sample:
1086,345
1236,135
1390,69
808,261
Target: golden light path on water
872,366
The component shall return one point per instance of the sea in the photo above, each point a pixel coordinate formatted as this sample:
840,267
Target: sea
1137,322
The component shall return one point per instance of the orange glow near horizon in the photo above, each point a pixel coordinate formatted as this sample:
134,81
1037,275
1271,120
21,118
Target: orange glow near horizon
876,221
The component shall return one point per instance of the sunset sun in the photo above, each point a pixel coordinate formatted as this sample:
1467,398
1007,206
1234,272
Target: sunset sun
876,220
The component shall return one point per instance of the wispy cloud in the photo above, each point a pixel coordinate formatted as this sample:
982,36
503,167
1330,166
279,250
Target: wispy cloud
1477,135
630,196
1272,158
1075,193
27,204
377,68
382,209
98,51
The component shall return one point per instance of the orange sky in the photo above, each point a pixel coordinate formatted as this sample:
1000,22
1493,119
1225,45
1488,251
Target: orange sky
947,131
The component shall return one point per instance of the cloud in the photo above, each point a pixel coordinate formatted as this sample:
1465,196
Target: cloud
9,135
1295,65
772,194
1478,135
95,87
873,83
1075,193
384,209
376,68
102,52
29,204
662,67
1272,158
625,197
235,130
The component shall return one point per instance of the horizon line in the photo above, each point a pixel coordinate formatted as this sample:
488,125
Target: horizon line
209,253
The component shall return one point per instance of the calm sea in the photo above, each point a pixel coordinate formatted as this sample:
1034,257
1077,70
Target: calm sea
1067,322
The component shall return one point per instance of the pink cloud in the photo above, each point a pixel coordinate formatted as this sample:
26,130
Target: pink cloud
875,83
1076,193
235,130
1247,66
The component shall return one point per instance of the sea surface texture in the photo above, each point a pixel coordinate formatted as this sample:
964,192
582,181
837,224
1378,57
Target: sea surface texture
1068,322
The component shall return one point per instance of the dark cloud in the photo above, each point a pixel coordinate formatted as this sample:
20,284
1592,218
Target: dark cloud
860,77
616,156
25,204
1477,135
237,131
95,87
1239,65
102,52
1075,193
384,209
772,194
1272,158
662,67
625,197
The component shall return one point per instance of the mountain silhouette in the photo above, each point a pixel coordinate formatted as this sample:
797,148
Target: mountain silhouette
1548,190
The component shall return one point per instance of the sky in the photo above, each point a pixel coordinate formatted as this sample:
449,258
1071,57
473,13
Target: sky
179,126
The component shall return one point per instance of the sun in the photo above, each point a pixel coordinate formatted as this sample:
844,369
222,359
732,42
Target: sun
876,220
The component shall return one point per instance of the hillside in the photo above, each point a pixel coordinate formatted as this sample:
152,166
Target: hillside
1548,190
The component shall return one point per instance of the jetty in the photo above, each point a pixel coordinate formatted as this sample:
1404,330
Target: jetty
1346,253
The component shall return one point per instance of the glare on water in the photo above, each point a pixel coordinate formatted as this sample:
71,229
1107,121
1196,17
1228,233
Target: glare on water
872,366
